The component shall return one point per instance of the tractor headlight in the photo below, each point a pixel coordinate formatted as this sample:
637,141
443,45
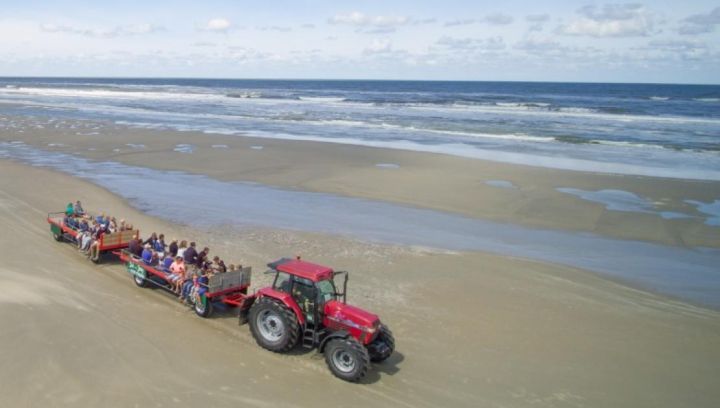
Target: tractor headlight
373,329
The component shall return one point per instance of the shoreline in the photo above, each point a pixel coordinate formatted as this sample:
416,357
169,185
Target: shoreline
421,180
623,281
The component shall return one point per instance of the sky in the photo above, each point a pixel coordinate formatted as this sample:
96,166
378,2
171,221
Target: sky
554,40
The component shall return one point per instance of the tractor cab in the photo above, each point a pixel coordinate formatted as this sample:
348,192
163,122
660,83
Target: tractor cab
311,286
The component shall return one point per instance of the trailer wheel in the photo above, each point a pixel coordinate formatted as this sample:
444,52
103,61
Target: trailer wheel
274,326
347,359
56,233
140,278
385,337
203,306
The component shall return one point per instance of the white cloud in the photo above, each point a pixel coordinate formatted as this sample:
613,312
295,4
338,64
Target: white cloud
537,18
611,12
378,46
537,21
424,21
700,23
359,19
128,30
492,19
219,25
682,49
472,44
498,19
460,22
281,29
611,20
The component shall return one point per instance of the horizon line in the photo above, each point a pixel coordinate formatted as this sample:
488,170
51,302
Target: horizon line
351,79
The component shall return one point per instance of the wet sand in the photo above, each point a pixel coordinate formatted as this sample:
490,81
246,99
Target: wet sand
472,329
470,187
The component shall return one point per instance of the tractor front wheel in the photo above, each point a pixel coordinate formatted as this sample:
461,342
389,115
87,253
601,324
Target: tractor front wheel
383,346
347,359
274,326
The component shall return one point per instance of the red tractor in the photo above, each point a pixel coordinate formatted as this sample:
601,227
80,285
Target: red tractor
304,305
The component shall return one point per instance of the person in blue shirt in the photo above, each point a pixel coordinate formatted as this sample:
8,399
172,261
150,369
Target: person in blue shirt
202,283
147,254
159,246
166,263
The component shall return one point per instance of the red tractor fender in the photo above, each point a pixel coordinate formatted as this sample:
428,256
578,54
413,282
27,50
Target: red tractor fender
285,299
340,334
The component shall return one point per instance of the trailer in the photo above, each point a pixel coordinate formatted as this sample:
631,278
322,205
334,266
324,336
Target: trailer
107,243
229,288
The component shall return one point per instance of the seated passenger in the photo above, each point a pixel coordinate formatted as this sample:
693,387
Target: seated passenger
83,226
166,263
155,260
94,250
151,240
73,223
188,281
147,254
191,255
159,245
133,246
70,210
200,286
173,248
178,273
78,209
112,226
218,266
202,258
182,248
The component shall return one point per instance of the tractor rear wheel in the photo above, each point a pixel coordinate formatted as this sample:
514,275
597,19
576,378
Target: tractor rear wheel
274,326
347,359
384,341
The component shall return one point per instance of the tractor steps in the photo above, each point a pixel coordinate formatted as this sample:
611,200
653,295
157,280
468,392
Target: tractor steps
311,335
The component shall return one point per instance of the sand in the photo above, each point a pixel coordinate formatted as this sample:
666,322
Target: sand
426,180
473,330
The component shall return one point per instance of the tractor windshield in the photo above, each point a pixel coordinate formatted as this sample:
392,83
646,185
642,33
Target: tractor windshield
326,290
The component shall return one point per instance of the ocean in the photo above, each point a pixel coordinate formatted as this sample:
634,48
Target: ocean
640,129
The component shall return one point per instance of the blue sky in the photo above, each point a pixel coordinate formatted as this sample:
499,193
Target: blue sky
651,41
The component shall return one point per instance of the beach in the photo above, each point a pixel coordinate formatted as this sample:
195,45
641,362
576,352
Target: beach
473,329
551,245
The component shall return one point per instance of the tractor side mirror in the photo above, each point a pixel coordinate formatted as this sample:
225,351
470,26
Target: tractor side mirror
343,293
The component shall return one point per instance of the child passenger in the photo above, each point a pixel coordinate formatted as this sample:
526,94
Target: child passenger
177,269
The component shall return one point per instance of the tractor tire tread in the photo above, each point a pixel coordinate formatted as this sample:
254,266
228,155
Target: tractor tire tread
358,349
288,316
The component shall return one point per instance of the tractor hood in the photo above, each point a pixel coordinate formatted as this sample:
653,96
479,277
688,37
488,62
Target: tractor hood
350,316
